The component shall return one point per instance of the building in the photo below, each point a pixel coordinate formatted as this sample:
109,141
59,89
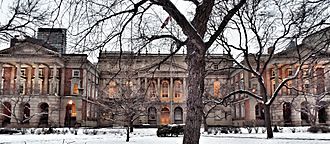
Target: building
42,86
164,85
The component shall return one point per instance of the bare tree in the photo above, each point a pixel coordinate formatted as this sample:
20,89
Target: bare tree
312,95
128,104
273,25
104,23
22,17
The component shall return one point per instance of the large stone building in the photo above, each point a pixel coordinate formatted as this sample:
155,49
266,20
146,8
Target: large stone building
42,85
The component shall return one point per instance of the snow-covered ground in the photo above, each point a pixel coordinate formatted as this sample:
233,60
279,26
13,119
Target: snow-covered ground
148,136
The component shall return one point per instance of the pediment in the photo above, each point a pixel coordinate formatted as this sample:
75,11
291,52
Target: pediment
27,48
166,66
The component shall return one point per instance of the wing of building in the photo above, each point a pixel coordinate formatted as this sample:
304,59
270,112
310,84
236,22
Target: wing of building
41,86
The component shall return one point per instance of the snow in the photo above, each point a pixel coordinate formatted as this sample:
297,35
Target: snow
148,136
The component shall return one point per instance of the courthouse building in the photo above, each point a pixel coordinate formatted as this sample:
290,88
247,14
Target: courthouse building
41,85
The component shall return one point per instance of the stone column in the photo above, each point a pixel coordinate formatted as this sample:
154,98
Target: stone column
29,78
146,84
184,89
158,87
171,100
84,84
54,80
45,89
12,80
18,78
1,84
36,80
62,81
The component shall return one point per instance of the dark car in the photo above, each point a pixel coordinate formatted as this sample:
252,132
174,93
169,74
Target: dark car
170,130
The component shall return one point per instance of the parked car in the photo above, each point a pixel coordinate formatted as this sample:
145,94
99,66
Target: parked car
170,130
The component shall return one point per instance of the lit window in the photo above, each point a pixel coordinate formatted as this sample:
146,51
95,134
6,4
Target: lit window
112,88
216,88
152,89
290,73
165,89
76,73
75,89
178,88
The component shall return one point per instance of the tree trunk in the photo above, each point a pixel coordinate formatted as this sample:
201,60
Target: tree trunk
131,127
127,134
268,123
196,73
206,127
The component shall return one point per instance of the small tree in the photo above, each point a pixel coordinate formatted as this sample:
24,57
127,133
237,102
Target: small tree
128,104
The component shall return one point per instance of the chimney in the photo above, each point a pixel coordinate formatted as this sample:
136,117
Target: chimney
55,37
270,49
14,40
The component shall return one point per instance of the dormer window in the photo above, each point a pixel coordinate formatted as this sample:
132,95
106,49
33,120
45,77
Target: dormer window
76,73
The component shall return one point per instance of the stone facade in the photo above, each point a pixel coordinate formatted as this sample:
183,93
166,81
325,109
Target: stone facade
41,87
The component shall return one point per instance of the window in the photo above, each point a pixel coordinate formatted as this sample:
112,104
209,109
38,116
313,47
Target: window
23,72
216,88
165,88
242,110
41,72
75,89
215,67
112,89
152,88
22,86
290,73
305,73
76,73
177,88
52,72
273,72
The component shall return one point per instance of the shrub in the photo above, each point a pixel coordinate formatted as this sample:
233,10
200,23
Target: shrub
256,129
276,129
315,129
249,129
263,130
293,130
224,130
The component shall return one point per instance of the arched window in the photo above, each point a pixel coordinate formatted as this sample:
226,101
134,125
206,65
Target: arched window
6,110
70,114
287,113
165,88
112,89
304,113
152,115
259,111
152,89
178,115
26,113
44,109
177,88
216,88
322,114
164,116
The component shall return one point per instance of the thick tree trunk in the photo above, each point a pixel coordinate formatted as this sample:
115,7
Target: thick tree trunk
268,123
196,73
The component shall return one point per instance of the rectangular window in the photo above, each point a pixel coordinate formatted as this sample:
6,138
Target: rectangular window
76,73
75,89
215,67
52,72
290,73
23,73
41,72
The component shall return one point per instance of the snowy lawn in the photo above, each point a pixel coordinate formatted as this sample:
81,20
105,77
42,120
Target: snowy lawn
148,136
